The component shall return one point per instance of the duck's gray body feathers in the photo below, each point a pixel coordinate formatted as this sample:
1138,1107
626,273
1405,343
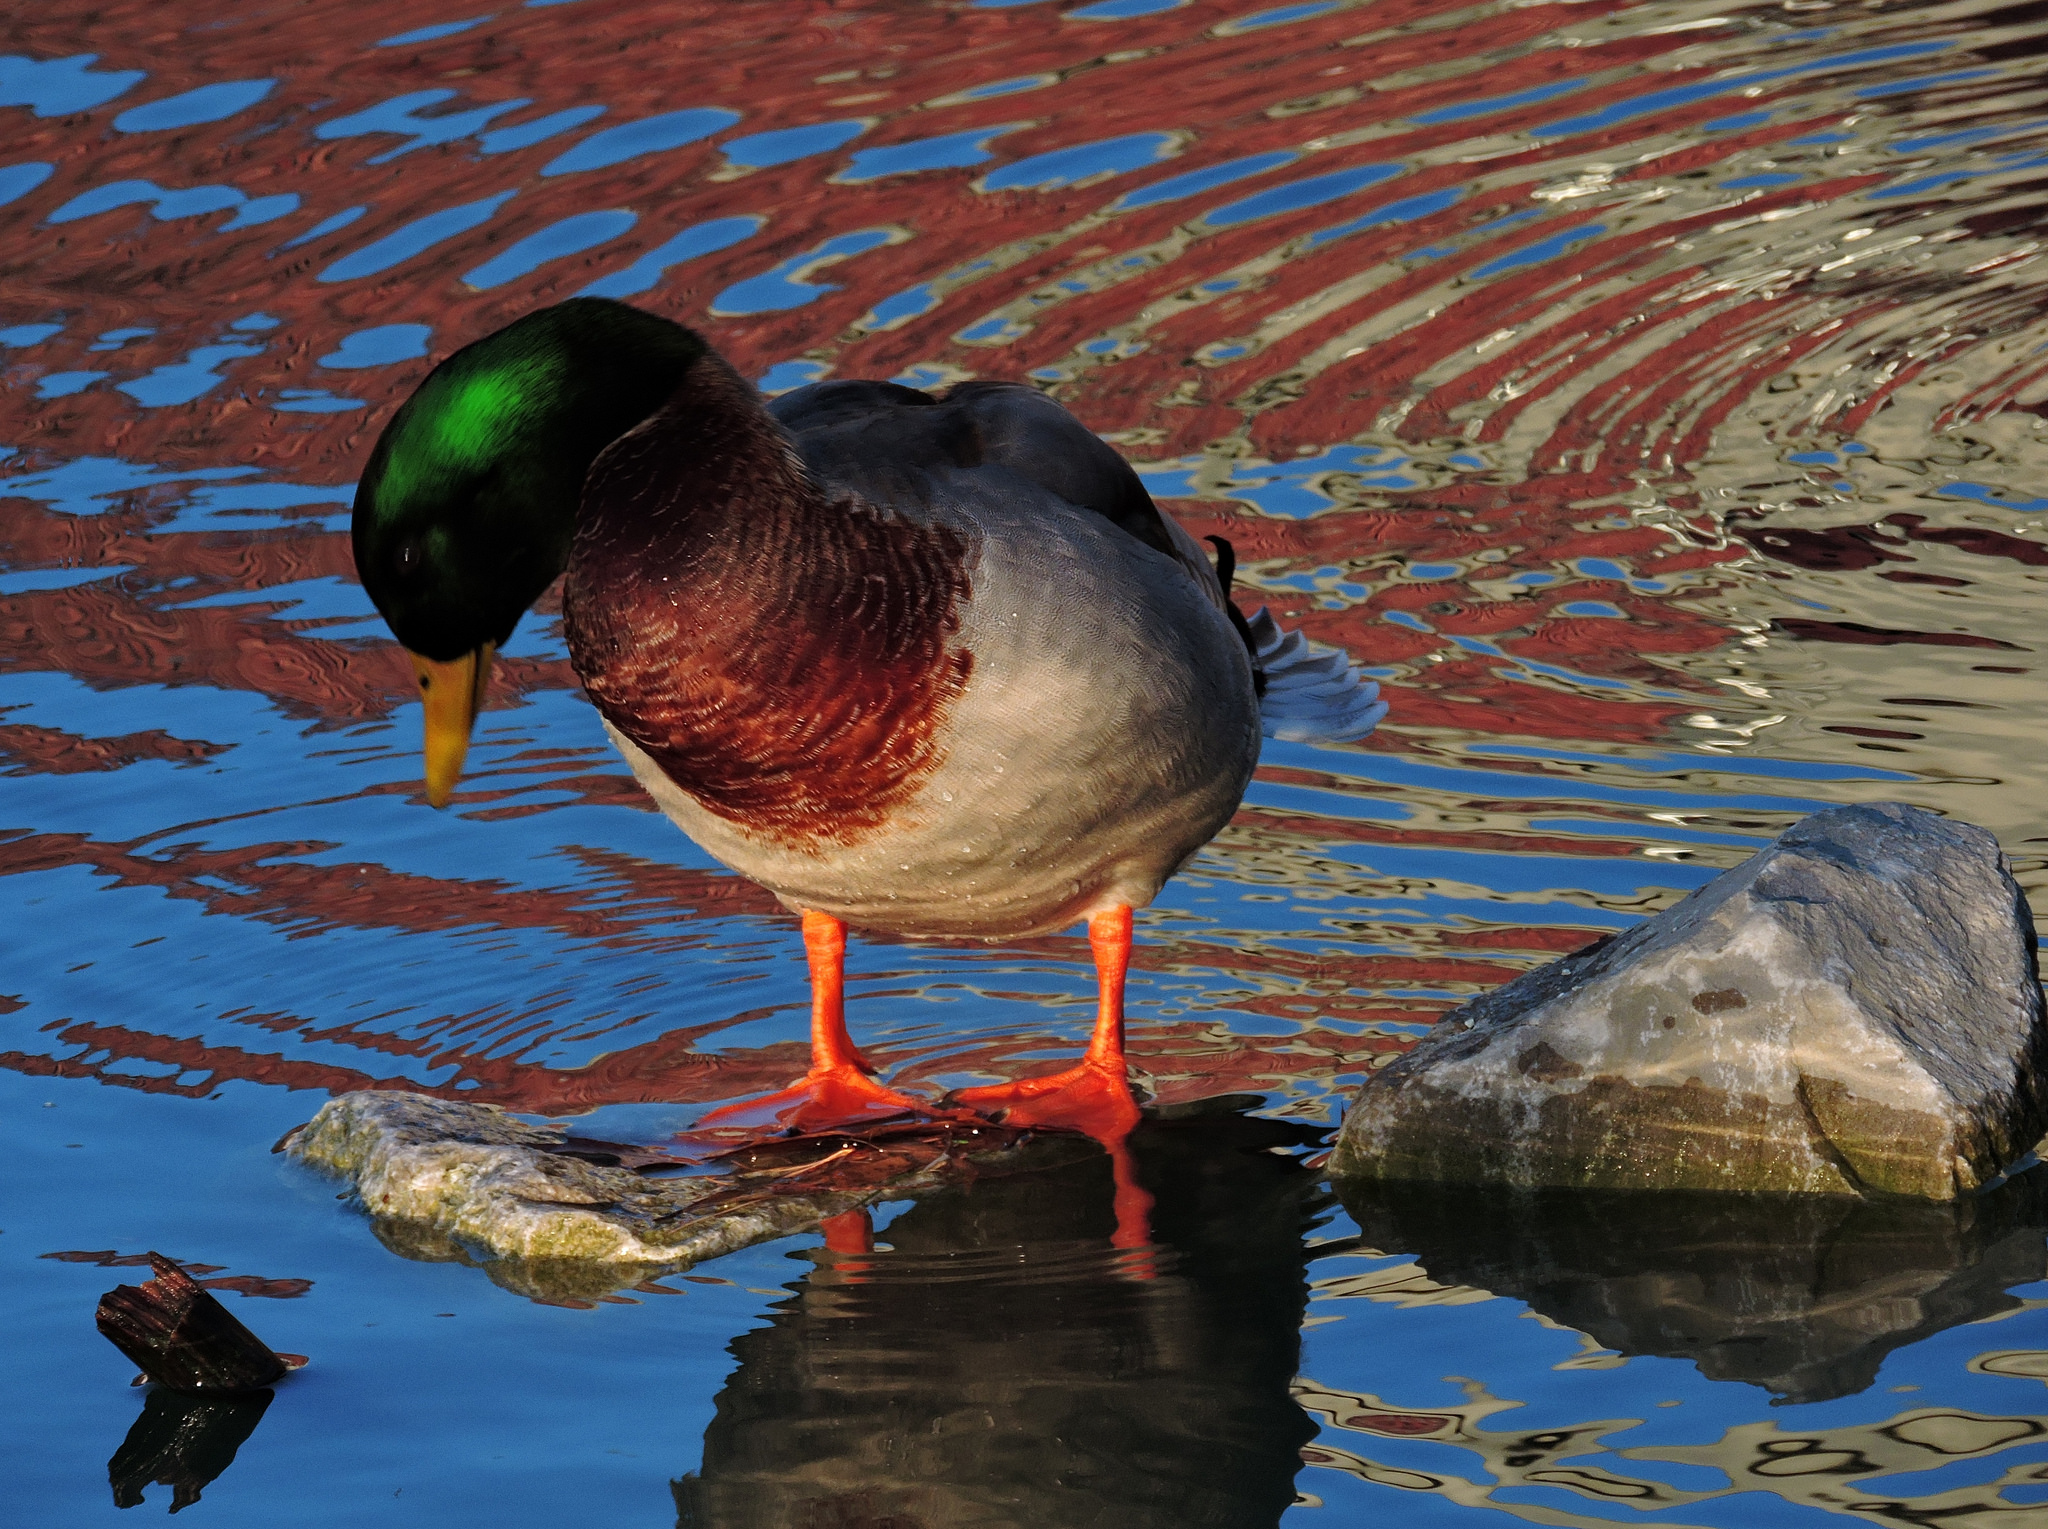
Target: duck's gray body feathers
1109,720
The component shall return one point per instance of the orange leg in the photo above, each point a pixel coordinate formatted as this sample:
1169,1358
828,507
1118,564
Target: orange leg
1094,1095
837,1091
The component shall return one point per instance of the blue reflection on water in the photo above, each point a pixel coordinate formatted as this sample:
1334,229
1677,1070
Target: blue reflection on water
415,238
1177,186
207,103
1010,87
788,376
902,307
1544,249
1281,15
435,32
947,152
180,382
380,346
82,485
650,135
255,507
19,180
1924,82
571,236
64,384
1313,191
645,273
1486,106
1082,162
1984,493
787,285
784,145
326,226
524,135
321,599
163,204
401,115
313,401
23,580
1119,10
1653,102
59,86
2004,164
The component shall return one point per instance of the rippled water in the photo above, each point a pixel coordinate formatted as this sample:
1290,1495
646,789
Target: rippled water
1655,396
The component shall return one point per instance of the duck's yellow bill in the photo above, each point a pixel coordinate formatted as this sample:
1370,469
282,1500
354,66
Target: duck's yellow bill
453,693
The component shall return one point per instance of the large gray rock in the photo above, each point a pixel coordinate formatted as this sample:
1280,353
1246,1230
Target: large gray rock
1856,1010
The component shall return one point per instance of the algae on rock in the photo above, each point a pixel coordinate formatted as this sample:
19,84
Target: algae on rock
1856,1010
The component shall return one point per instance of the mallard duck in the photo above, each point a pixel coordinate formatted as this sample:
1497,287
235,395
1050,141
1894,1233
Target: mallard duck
932,664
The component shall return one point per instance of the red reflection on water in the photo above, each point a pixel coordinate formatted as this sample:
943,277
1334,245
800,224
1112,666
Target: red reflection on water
1653,359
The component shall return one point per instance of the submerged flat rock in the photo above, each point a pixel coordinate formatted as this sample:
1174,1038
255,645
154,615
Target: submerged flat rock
1856,1010
554,1219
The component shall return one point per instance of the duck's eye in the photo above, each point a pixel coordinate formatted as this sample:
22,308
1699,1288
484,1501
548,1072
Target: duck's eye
407,558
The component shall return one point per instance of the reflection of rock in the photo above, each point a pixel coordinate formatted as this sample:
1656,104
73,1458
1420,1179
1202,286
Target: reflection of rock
559,1281
469,1183
1856,1009
1001,1365
182,1442
1862,1472
1804,1295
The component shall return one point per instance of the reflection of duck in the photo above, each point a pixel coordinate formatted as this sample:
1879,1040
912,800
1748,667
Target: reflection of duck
1802,1294
930,665
1000,1365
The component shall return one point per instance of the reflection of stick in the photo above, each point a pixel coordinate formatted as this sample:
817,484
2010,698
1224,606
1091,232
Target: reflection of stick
180,1336
777,1173
182,1442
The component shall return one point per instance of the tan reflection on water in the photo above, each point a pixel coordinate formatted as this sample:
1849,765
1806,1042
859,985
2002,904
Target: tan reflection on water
1836,1470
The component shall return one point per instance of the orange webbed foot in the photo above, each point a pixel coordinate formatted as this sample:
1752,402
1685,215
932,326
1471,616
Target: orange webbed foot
838,1092
1092,1097
828,1098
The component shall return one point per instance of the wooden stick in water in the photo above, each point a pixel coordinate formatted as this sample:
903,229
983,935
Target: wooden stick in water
180,1336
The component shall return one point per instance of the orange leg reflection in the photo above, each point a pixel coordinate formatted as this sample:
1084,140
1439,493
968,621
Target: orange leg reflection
838,1090
1094,1095
849,1232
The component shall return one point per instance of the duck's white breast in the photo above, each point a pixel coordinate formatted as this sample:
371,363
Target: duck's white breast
1107,730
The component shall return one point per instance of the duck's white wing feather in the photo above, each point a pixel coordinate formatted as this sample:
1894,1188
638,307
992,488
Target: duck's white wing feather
1313,694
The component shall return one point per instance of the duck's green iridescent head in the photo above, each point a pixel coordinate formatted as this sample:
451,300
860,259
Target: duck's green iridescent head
467,507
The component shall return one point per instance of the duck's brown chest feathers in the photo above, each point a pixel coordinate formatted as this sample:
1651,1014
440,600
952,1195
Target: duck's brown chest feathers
785,658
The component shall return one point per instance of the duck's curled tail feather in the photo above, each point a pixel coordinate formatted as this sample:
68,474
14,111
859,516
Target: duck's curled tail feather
1312,693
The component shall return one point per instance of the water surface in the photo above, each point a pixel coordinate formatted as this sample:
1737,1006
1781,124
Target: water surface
1653,396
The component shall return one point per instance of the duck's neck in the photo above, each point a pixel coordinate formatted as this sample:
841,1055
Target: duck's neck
784,655
709,457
